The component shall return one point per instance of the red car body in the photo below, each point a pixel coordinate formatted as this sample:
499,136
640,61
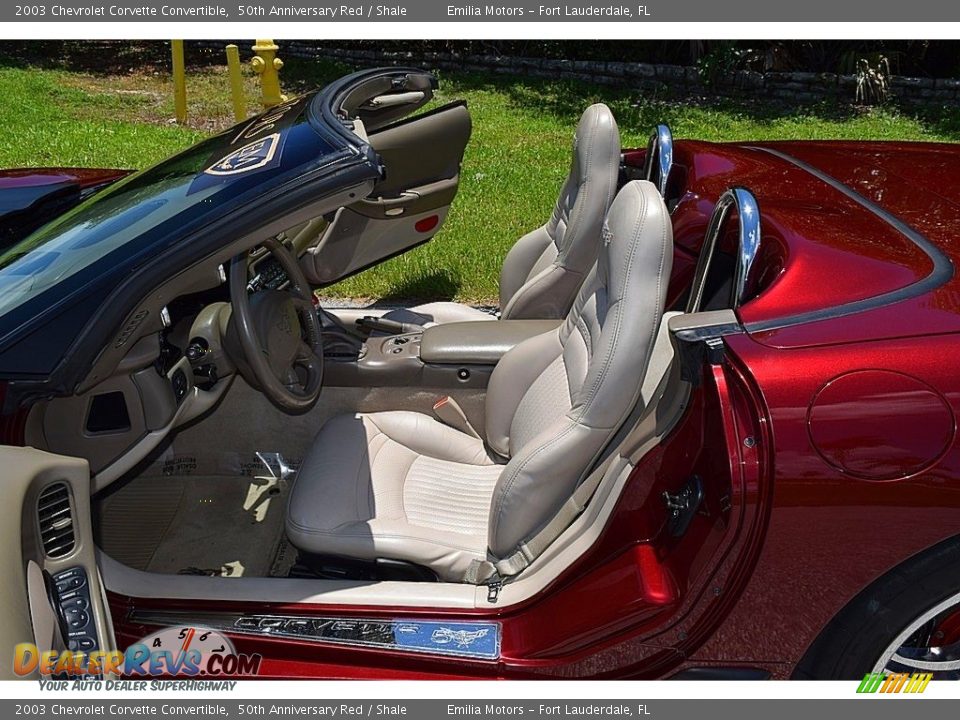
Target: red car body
825,437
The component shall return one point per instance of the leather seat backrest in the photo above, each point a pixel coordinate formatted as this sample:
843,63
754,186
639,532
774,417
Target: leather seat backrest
543,270
555,400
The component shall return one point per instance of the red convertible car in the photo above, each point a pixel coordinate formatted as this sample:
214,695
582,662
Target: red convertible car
709,433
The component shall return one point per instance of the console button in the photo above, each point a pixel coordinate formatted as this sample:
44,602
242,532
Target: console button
70,583
179,382
75,603
83,642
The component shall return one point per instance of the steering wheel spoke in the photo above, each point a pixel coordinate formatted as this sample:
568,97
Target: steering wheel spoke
304,306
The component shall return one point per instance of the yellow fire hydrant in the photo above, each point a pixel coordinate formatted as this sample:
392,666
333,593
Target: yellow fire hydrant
267,65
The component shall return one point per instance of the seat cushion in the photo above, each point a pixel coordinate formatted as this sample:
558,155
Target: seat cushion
397,485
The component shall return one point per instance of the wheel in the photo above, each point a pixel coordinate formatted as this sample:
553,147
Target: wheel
907,621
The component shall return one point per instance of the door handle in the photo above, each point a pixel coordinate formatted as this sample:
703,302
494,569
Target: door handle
391,207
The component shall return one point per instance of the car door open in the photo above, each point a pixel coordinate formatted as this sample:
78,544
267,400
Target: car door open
421,159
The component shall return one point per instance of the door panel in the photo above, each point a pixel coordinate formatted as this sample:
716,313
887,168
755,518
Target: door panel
421,157
422,150
41,489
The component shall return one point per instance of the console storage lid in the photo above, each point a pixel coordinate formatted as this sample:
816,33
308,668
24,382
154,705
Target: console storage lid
477,343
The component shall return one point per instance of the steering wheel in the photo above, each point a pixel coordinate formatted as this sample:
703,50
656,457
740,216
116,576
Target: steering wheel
279,331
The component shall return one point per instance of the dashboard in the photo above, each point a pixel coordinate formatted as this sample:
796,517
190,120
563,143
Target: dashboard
163,377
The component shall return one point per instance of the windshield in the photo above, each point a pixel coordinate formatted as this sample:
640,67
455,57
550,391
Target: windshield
104,223
93,229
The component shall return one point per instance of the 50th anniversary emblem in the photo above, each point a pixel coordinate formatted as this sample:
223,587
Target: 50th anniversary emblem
251,156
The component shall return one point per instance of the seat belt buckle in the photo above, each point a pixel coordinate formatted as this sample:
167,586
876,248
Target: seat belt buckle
449,412
493,590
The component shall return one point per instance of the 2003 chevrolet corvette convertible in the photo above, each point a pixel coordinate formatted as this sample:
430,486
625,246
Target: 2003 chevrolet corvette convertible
710,432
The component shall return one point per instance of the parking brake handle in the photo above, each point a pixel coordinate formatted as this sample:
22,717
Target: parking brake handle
372,323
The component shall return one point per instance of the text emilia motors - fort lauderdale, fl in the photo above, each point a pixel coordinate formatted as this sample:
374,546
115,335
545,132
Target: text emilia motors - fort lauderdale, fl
622,11
330,12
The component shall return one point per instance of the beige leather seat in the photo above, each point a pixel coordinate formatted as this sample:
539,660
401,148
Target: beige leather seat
544,269
403,486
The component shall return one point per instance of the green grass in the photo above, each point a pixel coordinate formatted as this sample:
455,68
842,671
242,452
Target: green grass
515,163
51,122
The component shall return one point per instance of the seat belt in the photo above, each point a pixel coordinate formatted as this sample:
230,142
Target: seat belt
449,412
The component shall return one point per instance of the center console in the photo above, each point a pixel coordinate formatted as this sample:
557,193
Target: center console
452,355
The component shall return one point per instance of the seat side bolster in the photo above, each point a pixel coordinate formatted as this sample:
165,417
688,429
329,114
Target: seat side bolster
597,156
446,553
559,453
513,376
521,263
547,295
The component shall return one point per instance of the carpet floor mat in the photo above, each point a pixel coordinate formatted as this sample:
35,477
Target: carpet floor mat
230,526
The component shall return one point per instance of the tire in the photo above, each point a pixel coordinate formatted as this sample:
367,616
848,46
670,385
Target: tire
854,641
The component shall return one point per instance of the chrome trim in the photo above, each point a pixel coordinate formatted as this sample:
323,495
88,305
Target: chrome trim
471,640
944,661
941,273
699,334
748,216
661,145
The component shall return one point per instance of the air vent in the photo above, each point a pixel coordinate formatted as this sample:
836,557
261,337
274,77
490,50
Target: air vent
130,328
56,520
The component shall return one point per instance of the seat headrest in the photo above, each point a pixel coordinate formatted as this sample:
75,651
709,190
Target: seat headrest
594,168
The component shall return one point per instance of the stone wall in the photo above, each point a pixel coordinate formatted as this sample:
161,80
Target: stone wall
667,80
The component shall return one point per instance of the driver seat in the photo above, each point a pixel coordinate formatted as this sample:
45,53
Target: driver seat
401,486
544,269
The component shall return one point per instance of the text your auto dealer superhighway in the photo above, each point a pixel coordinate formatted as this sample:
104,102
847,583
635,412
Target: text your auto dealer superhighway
142,11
